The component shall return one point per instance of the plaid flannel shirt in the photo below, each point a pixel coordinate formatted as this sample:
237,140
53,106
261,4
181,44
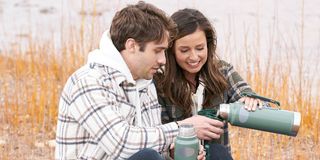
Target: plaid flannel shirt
97,116
236,84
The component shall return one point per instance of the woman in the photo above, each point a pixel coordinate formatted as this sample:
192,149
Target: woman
194,78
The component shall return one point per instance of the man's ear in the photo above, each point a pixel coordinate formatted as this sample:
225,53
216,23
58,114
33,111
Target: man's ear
130,45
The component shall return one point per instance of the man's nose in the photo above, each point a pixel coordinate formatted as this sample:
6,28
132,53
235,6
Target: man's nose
162,58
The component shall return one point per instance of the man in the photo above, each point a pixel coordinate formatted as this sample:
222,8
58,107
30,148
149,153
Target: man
108,108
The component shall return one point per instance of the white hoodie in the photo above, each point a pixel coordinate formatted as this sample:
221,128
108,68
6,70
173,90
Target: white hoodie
108,55
101,106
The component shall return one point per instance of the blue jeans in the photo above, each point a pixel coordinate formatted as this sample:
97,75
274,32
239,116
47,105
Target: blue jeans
146,154
219,152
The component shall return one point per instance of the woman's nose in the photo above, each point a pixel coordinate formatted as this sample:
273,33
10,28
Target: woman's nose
193,55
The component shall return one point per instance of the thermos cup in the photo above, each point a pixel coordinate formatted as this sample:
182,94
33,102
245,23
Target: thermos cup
186,145
265,119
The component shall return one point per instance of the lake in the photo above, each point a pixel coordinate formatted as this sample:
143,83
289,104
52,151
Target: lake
287,30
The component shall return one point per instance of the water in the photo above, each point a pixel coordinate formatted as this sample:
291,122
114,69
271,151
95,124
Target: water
256,28
43,19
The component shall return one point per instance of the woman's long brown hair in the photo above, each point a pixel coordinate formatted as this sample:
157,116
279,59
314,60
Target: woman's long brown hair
172,83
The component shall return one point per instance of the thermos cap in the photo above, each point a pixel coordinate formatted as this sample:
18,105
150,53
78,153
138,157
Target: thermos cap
187,130
296,123
224,110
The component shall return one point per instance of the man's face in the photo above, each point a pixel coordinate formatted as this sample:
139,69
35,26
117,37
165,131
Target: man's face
146,63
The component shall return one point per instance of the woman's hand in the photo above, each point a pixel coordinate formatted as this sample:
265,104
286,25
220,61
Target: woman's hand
251,104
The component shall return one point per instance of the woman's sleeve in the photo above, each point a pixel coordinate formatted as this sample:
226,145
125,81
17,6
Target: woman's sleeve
236,83
165,118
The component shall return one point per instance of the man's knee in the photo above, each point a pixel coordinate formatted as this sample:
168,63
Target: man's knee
219,152
147,154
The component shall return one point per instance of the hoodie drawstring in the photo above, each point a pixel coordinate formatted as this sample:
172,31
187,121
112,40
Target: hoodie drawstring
138,109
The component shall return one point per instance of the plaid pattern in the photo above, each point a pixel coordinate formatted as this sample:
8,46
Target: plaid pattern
97,117
237,85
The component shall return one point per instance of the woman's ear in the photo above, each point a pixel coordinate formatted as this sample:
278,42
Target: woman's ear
130,45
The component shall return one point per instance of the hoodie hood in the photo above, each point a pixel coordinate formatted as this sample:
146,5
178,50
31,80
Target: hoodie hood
108,55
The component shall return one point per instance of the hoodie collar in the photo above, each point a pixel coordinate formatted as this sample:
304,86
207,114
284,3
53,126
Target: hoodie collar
108,55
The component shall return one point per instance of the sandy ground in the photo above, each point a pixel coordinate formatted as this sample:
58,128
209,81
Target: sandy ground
24,144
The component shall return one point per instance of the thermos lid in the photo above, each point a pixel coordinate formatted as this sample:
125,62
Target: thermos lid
296,123
187,130
224,110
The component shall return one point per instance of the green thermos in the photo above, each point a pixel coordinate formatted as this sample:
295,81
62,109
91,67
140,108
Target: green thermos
186,145
265,119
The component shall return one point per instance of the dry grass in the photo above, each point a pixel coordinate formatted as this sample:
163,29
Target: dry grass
282,78
32,79
251,144
31,82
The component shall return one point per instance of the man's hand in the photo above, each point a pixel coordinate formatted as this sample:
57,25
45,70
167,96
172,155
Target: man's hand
206,128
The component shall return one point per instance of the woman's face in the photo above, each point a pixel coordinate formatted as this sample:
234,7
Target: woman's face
191,52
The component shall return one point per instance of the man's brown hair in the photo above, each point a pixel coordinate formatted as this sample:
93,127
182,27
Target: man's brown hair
143,22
